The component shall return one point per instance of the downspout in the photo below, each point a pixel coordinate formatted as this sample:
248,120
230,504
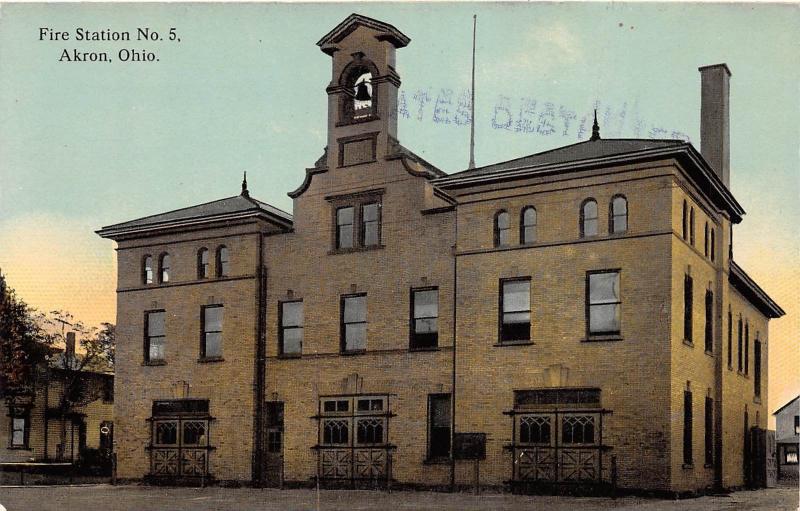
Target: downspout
453,388
46,405
719,346
260,360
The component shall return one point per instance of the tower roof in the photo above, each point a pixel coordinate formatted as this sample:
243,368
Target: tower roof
386,31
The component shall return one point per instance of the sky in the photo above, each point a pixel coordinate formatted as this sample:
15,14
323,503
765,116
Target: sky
242,88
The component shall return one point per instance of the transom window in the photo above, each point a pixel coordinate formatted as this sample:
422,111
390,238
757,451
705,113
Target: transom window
515,310
212,331
291,333
603,302
155,336
589,218
502,229
336,405
527,230
425,318
619,215
354,323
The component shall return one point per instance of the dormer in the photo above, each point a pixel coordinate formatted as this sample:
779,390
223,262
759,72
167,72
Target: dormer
362,94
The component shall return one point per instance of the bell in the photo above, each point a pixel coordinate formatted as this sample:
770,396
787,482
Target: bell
362,94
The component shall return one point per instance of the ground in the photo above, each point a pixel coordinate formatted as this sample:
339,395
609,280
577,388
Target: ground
141,498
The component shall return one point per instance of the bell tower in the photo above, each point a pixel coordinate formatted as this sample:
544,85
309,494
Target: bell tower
362,94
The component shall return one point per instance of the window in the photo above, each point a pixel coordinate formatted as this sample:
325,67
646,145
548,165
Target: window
362,96
223,261
691,226
757,367
502,229
687,427
709,431
354,323
20,428
713,245
603,302
709,330
534,429
705,241
685,221
730,339
439,408
577,429
589,218
164,268
370,225
739,351
344,227
155,336
618,221
108,390
747,348
194,432
527,225
688,299
166,433
203,265
797,424
369,431
790,454
147,270
291,333
211,346
274,426
424,318
515,310
354,421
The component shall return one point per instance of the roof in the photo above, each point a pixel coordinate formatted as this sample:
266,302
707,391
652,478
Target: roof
753,292
386,31
779,410
231,208
603,153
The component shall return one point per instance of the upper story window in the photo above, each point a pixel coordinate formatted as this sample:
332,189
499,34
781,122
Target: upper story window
502,229
362,96
713,245
527,225
370,224
357,102
797,424
515,310
155,336
354,323
740,325
730,339
211,346
747,348
425,318
203,264
291,333
147,269
164,268
688,305
757,366
705,240
344,227
618,220
589,218
709,330
603,302
223,261
685,220
20,429
691,225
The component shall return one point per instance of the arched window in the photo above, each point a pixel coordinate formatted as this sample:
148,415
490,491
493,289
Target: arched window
691,226
705,241
685,220
147,269
203,265
713,247
223,262
163,268
618,219
589,218
358,100
502,229
527,225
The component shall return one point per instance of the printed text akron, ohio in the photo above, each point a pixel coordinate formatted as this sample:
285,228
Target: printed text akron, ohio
123,54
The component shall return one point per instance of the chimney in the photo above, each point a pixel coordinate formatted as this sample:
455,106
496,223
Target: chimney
69,353
715,119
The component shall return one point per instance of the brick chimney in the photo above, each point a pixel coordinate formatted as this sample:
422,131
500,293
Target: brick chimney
715,119
69,353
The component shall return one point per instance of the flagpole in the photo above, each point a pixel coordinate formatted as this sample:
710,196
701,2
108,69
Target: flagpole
472,99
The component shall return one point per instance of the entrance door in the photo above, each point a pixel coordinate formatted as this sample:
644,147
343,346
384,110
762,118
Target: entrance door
274,454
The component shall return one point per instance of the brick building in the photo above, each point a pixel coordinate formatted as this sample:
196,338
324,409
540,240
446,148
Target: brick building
579,308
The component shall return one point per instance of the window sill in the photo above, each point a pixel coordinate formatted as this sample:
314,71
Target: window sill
689,343
368,118
337,251
513,343
209,360
743,375
730,368
154,363
757,400
687,466
428,348
288,356
708,465
349,353
19,447
436,461
603,338
709,353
